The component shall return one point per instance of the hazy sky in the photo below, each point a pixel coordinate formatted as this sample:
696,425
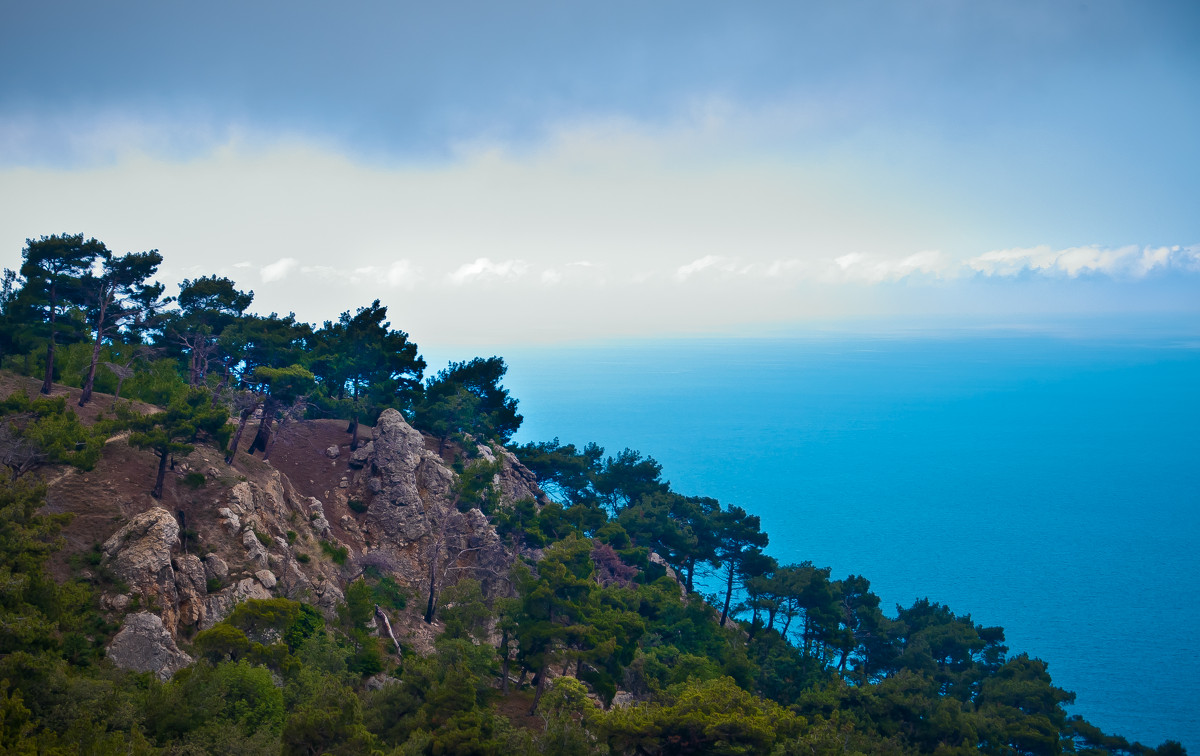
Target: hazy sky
529,171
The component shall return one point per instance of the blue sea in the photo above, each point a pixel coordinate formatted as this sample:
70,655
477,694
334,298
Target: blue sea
1047,484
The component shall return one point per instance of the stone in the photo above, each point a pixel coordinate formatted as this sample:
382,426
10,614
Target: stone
140,555
486,453
267,578
215,568
361,456
229,519
191,585
241,498
327,597
254,548
144,645
333,452
319,523
623,698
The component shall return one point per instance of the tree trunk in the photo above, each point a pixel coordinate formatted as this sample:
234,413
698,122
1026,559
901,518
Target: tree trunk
437,548
504,662
691,568
264,428
541,687
237,435
162,474
220,387
354,430
283,421
387,626
48,382
728,594
86,395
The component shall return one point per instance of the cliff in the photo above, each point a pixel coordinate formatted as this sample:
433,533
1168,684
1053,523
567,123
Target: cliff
300,526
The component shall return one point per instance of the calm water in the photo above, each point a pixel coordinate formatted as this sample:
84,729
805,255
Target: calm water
1050,486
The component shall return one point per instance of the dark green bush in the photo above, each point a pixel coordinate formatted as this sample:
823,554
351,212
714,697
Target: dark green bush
338,554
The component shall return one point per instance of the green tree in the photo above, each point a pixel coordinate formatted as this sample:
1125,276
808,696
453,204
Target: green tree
189,418
466,397
628,477
285,390
267,357
119,295
360,357
29,598
45,430
563,472
709,717
1021,710
54,268
207,306
739,538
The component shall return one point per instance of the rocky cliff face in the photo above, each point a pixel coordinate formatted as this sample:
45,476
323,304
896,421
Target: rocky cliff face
258,531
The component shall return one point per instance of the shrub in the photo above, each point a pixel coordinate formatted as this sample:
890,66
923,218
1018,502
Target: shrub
338,554
194,480
302,558
358,506
291,537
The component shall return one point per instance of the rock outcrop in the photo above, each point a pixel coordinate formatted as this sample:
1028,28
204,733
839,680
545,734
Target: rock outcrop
140,555
144,645
391,504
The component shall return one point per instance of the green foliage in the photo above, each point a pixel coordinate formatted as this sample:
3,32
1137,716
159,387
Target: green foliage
563,471
330,722
363,366
189,418
389,594
357,506
464,611
291,620
203,698
44,430
194,480
285,384
714,716
339,554
474,487
466,397
158,384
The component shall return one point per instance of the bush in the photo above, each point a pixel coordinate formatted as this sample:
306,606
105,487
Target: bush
357,506
194,480
302,558
291,537
338,554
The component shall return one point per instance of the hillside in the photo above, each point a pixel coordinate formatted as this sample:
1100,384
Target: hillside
418,594
300,500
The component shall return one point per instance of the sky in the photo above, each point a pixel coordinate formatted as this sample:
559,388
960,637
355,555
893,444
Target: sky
533,172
